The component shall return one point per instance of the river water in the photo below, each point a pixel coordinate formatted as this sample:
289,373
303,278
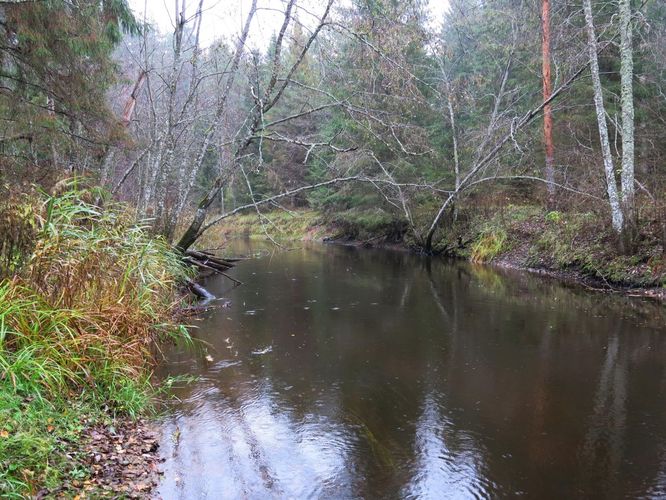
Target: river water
339,372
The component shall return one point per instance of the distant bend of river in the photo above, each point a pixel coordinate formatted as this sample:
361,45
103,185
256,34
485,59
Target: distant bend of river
351,373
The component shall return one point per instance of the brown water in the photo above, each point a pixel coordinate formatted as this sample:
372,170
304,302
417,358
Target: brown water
346,373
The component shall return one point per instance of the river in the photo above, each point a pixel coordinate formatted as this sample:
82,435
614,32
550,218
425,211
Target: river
339,372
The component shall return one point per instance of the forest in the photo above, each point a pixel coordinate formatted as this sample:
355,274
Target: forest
530,134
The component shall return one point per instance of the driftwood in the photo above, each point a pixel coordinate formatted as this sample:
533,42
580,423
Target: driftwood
207,261
200,291
210,259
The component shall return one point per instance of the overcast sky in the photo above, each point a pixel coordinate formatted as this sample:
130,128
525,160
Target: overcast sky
224,18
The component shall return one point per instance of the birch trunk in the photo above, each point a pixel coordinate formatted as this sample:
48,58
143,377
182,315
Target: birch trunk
192,232
627,102
186,178
611,182
186,181
164,168
454,133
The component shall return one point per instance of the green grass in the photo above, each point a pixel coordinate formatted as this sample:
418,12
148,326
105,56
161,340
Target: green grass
78,322
40,441
489,244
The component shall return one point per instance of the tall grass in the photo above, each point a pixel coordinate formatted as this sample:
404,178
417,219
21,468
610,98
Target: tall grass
79,318
90,302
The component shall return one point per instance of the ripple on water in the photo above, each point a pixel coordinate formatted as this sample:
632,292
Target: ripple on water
430,381
222,365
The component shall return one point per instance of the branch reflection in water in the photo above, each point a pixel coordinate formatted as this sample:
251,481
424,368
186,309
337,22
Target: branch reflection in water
383,374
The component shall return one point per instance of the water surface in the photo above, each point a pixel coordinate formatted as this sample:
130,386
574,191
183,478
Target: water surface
345,373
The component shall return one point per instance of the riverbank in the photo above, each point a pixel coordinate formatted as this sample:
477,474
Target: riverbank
74,447
87,297
570,246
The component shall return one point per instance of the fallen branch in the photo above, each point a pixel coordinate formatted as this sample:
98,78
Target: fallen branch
200,291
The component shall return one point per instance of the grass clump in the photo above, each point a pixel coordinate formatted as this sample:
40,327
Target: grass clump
567,239
488,245
78,324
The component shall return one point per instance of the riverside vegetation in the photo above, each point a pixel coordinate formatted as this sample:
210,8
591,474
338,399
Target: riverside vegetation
86,296
566,244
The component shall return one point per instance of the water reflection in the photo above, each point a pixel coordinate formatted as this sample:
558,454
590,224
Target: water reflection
447,459
369,374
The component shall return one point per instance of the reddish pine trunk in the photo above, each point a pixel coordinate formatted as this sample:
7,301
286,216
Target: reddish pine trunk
130,104
547,92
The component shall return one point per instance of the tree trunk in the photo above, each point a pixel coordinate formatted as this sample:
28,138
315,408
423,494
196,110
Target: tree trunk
611,182
192,233
128,110
454,133
627,102
547,110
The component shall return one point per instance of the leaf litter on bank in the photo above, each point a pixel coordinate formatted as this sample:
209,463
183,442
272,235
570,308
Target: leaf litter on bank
122,462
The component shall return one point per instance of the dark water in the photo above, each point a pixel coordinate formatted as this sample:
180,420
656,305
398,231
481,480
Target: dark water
345,373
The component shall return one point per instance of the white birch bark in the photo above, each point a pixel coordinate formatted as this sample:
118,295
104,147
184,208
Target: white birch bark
456,159
166,156
185,177
627,101
611,182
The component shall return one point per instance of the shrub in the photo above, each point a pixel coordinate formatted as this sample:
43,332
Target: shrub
554,216
17,233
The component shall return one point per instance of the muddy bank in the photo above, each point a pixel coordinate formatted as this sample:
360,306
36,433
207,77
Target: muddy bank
576,278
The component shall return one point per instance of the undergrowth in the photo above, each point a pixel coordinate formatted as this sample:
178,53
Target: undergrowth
277,224
488,245
80,314
366,224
